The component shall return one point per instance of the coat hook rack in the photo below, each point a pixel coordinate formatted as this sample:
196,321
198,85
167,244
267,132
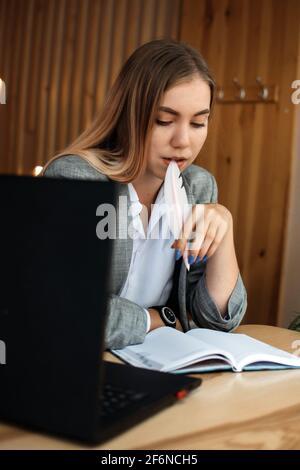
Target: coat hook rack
237,93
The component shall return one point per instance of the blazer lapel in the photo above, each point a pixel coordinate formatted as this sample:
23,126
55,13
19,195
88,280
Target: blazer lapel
181,277
122,245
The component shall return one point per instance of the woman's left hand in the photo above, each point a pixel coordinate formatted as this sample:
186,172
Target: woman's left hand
206,226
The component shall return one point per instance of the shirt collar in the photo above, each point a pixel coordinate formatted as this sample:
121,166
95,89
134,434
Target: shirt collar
136,207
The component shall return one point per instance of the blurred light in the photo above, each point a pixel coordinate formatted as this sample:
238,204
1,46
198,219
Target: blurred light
37,170
2,92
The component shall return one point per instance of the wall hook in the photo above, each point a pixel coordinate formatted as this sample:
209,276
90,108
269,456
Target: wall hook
242,93
220,94
264,91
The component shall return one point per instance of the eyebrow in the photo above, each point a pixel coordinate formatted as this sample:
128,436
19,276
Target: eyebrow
176,113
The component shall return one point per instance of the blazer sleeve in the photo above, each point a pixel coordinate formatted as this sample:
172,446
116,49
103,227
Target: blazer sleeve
201,306
126,321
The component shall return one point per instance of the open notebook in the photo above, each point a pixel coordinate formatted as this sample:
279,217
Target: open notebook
202,350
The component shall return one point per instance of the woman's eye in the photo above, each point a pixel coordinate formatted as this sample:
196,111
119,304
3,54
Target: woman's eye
166,123
198,125
163,123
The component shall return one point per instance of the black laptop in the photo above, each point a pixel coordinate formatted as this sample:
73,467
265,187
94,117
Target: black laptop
54,284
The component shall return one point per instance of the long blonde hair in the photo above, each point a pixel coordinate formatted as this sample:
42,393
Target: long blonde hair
116,141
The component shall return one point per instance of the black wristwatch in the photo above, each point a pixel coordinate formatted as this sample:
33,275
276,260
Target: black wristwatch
167,315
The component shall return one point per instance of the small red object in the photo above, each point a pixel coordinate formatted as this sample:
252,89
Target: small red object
181,394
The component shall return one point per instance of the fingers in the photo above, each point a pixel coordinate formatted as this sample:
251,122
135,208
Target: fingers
200,250
206,233
212,240
216,242
193,229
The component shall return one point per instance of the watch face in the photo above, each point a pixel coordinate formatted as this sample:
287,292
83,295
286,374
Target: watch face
169,315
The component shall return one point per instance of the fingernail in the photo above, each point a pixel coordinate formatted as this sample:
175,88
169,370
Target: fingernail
197,260
177,254
204,259
191,259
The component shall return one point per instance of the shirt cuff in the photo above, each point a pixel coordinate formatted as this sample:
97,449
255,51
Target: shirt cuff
148,320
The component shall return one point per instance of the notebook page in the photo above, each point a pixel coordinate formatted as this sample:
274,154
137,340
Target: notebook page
211,365
244,349
166,349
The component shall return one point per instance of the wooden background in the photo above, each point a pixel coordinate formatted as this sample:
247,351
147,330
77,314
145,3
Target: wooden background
59,57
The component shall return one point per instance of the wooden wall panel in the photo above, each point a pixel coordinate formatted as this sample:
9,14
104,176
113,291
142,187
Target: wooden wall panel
58,59
249,147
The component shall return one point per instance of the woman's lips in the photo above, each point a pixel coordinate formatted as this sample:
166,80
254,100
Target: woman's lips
180,162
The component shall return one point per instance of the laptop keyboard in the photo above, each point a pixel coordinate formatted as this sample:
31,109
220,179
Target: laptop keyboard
114,399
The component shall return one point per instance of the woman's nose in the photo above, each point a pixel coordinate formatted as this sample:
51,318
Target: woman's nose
181,137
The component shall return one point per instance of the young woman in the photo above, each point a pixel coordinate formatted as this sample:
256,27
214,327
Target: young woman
156,112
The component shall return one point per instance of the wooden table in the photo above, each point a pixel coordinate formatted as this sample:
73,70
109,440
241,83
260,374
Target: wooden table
250,410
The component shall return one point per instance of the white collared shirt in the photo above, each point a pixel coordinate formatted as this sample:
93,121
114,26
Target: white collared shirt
149,280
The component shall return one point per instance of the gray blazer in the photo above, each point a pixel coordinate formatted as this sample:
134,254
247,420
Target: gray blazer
126,320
